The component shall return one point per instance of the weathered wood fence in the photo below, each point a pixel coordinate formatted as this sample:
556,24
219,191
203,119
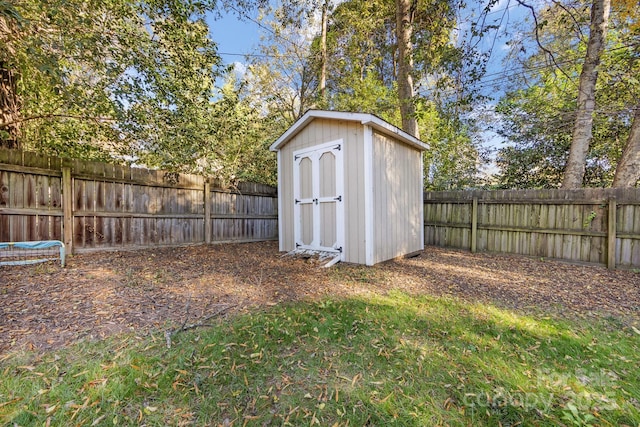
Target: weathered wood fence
92,206
589,225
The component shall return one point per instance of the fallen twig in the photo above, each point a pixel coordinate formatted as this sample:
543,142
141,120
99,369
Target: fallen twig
170,333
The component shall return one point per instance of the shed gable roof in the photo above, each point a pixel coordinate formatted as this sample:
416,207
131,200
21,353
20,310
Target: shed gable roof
364,118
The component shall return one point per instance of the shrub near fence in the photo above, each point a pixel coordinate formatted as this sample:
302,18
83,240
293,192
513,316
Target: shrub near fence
91,205
599,226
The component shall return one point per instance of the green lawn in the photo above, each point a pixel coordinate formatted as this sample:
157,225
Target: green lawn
379,360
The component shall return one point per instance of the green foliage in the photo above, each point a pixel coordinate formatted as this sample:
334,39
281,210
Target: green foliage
379,360
132,82
106,75
243,135
368,95
451,162
165,101
589,219
575,417
536,160
360,44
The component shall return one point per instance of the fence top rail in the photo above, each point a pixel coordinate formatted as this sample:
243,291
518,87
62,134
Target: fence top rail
588,202
32,163
580,196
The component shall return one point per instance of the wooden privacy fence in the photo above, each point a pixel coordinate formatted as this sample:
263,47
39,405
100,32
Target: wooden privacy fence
90,205
589,225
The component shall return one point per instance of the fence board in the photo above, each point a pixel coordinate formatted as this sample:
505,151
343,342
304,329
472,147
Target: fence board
115,207
564,224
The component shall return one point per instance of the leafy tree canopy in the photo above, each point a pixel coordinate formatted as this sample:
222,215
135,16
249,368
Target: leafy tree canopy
362,69
119,79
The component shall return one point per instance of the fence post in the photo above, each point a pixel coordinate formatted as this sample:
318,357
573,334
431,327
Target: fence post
474,224
207,212
611,235
67,209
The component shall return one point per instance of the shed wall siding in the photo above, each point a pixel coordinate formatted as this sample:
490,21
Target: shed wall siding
317,132
397,198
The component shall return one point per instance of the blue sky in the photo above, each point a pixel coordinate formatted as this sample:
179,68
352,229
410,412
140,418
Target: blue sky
234,37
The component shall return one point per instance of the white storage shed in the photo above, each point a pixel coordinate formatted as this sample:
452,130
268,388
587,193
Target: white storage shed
349,184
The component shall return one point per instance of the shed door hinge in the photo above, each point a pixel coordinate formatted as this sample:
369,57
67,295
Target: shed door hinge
339,198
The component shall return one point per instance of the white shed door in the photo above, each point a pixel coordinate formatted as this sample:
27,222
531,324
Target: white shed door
318,197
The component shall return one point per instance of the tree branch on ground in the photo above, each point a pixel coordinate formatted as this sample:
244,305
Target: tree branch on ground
204,322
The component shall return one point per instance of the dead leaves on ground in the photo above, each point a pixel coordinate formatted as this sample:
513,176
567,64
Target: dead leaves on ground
105,293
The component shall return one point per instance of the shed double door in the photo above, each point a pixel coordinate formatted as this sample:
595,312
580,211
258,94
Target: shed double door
318,188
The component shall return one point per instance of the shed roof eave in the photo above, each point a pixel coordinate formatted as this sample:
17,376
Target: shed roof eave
388,129
364,118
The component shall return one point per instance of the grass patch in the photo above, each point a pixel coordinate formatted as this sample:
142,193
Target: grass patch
381,360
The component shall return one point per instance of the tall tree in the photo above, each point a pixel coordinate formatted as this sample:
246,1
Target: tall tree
323,50
405,10
364,72
10,26
582,130
537,115
628,170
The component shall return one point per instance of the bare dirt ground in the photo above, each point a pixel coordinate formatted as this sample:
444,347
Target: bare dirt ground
46,307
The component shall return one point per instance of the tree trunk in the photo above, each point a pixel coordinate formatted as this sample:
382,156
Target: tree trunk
9,100
323,52
628,169
582,129
9,109
404,30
